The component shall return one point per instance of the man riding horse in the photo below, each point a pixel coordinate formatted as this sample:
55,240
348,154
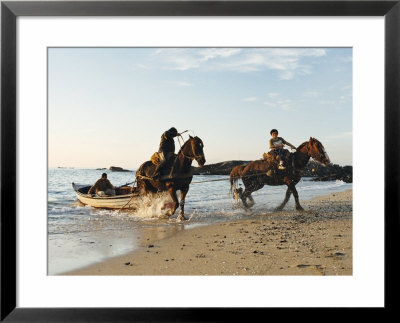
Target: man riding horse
166,150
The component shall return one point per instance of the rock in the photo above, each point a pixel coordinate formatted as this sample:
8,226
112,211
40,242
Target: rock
223,168
118,169
328,173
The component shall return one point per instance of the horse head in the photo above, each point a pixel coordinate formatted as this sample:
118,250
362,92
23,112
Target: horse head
193,149
317,151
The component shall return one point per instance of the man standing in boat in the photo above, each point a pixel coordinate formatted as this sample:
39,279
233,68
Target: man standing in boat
165,150
103,187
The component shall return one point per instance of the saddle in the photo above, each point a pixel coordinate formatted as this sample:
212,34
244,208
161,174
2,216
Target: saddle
155,158
270,157
273,157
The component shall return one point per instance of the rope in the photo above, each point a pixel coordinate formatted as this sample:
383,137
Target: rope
130,198
226,179
126,184
211,180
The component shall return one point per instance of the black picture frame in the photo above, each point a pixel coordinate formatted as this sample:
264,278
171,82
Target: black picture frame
11,10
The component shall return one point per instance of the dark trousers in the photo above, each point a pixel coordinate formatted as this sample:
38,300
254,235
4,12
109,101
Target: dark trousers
281,153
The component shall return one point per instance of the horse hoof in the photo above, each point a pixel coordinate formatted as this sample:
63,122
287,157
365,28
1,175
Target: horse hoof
299,208
180,218
278,209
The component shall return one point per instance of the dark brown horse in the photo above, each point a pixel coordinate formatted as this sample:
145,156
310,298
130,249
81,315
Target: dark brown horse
181,175
254,175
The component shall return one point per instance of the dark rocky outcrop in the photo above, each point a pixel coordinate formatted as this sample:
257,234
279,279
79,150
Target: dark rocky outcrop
118,169
313,169
223,168
328,173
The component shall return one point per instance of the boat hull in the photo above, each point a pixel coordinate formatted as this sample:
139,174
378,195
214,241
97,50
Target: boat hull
126,201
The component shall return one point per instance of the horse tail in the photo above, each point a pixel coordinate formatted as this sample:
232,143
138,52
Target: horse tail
233,182
234,178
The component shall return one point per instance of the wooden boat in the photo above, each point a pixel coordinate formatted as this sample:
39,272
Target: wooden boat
124,198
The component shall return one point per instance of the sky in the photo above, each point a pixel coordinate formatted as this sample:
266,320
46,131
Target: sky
109,106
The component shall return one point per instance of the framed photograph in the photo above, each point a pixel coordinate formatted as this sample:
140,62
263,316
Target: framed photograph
88,89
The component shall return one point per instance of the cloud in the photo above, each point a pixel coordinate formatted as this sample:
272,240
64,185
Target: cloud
181,83
189,58
341,135
250,99
287,62
312,94
270,104
273,95
286,105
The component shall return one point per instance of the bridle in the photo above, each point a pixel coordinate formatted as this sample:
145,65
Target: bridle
317,156
196,157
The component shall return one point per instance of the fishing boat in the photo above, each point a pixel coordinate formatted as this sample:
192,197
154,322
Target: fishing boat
124,198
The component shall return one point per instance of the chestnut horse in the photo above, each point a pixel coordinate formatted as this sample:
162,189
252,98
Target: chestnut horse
254,175
180,178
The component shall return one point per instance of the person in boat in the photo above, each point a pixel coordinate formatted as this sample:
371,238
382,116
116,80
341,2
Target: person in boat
165,150
103,187
276,145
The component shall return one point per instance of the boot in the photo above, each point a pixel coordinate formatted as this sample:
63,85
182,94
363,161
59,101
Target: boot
156,174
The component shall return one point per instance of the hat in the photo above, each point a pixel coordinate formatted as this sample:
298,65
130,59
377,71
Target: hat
173,130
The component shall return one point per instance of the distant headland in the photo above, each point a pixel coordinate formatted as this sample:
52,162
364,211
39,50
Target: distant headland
116,169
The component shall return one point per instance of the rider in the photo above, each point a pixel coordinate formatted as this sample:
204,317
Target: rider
276,145
167,146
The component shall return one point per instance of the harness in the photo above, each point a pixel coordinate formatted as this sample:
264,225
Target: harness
186,156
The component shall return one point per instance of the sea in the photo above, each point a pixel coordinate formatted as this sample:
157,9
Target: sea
80,235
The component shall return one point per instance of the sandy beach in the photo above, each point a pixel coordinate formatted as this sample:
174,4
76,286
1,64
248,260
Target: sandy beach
317,241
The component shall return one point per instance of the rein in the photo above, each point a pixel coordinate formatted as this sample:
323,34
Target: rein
181,151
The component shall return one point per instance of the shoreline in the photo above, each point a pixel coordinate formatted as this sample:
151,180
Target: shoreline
317,241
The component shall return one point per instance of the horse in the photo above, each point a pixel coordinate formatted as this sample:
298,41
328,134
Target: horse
179,177
265,172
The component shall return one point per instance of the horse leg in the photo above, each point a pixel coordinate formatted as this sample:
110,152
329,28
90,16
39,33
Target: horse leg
243,198
251,200
287,196
296,198
172,192
182,204
250,188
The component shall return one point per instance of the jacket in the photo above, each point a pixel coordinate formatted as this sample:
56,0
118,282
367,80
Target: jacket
167,144
101,185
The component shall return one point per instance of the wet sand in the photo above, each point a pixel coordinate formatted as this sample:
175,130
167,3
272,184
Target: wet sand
317,241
